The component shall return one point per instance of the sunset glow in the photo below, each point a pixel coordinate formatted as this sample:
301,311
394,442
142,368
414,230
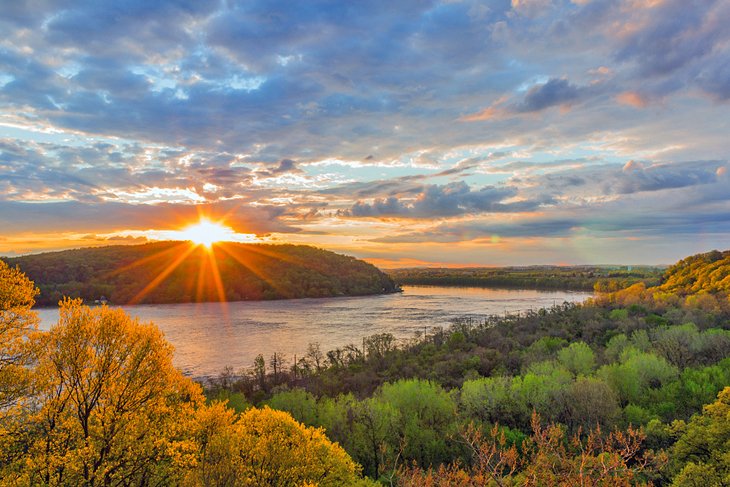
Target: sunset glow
207,233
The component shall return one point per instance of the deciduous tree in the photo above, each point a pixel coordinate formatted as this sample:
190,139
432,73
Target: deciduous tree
111,408
264,447
17,322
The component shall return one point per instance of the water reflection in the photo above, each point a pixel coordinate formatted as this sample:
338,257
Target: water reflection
207,337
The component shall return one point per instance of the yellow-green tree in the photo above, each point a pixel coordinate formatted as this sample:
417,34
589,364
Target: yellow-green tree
703,449
17,322
264,447
112,409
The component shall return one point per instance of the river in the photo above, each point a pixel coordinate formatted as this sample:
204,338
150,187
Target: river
210,336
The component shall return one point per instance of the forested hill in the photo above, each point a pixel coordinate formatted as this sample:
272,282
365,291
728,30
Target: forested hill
178,272
708,273
700,281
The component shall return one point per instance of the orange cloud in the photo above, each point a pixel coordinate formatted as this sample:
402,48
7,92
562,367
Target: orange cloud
489,113
633,99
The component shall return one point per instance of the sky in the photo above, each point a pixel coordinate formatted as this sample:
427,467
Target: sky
407,133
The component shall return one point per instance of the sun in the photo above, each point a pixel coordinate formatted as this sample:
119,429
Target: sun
206,233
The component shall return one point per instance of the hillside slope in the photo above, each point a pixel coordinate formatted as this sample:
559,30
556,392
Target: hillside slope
701,273
177,272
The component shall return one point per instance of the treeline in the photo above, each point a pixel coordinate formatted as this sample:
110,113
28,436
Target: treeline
179,272
634,363
576,278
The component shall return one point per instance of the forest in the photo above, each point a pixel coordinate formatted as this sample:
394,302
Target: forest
575,278
181,272
629,388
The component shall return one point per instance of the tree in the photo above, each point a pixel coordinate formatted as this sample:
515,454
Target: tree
112,409
301,404
265,447
491,399
17,323
277,363
615,459
259,371
315,355
587,403
425,420
637,375
701,452
577,358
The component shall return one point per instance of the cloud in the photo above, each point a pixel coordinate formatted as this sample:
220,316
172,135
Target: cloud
107,217
286,166
715,80
633,98
667,36
611,180
553,92
443,201
311,82
531,8
686,216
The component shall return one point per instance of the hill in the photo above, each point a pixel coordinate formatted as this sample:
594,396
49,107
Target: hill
699,281
701,273
178,272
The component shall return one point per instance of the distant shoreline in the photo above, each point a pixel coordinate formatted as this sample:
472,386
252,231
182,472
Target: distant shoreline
573,278
343,296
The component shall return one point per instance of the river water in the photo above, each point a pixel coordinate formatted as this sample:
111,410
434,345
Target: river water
210,336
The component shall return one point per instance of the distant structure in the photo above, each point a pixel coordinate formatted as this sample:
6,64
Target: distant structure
102,301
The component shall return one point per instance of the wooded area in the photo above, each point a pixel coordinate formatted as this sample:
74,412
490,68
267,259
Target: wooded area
180,272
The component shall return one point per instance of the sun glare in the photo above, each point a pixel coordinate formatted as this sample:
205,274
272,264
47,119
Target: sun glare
207,233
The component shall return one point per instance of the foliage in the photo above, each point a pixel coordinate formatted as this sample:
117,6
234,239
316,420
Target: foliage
578,358
702,273
425,416
177,272
409,420
703,448
111,408
548,457
17,322
266,447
